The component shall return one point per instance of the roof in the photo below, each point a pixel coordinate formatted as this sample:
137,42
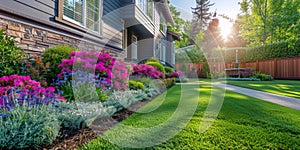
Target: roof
174,35
164,7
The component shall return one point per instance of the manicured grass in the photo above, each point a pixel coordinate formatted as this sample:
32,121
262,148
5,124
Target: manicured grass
243,123
289,88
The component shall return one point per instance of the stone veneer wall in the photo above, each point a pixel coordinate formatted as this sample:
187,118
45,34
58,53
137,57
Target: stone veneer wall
34,40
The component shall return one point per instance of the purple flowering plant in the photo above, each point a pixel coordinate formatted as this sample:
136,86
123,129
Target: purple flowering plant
23,91
247,73
86,68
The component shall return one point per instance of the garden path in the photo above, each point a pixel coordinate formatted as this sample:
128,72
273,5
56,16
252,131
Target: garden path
273,98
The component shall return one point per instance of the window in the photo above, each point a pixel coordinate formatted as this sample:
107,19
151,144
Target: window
163,52
85,13
143,4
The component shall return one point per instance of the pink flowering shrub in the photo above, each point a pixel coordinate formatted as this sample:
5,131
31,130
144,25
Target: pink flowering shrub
146,71
106,68
18,89
177,74
247,73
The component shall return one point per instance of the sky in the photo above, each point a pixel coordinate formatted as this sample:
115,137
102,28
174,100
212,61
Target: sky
228,7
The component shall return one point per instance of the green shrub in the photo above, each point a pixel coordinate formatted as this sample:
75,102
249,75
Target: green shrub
274,50
263,77
145,81
169,69
184,69
36,69
136,85
170,82
24,128
205,72
10,56
153,59
158,66
54,56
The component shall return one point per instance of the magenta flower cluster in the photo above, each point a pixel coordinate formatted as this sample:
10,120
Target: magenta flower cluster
177,74
248,72
17,89
147,71
114,72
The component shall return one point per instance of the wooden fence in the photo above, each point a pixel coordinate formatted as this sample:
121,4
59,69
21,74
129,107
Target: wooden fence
279,68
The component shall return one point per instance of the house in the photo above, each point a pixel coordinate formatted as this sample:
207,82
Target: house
130,29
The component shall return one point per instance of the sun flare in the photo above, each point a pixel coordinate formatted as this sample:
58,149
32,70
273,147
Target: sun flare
225,27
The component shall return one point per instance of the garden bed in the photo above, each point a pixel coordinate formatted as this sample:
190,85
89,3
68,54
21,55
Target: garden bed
72,139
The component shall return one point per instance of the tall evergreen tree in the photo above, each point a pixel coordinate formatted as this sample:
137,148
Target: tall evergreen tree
201,12
201,17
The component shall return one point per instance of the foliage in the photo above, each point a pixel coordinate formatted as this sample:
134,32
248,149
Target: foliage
22,90
123,99
101,64
268,21
11,56
29,113
29,128
135,85
169,82
275,50
263,77
205,72
178,22
146,81
158,66
153,59
202,12
247,73
193,55
168,69
177,74
83,86
235,38
89,111
145,70
36,69
53,56
184,69
216,75
212,36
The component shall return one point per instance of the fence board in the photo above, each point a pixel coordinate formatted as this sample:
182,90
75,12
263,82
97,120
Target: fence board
279,68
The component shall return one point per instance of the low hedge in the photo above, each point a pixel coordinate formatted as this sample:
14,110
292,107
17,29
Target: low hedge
274,50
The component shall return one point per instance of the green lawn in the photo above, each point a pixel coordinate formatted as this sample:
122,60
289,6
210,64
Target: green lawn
289,88
243,123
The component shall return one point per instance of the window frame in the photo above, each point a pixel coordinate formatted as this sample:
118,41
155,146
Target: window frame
75,24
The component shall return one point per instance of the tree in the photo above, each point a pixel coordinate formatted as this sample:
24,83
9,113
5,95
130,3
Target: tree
269,21
235,39
201,17
202,13
178,22
212,36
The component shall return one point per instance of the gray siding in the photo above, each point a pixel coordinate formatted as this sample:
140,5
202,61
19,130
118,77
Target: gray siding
43,12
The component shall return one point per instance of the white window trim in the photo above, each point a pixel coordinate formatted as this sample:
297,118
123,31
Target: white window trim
82,25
